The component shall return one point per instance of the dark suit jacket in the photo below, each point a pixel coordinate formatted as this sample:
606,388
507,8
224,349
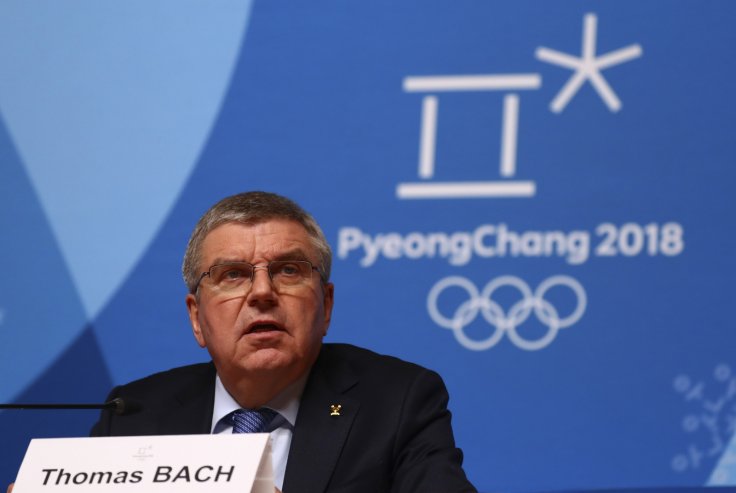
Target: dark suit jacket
393,433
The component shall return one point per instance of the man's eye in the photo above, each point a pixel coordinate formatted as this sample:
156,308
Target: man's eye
288,269
233,275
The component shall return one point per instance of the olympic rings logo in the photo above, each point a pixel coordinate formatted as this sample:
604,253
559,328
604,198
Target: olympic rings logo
506,323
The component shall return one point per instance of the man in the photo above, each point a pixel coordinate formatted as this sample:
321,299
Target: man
341,418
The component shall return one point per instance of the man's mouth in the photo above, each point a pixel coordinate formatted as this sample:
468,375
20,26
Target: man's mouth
259,327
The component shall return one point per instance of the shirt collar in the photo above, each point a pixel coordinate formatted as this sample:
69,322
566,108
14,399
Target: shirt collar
286,403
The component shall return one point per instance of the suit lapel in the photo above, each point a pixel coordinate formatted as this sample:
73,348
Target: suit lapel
321,430
195,404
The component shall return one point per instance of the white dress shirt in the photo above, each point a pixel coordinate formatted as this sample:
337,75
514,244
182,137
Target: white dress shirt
281,428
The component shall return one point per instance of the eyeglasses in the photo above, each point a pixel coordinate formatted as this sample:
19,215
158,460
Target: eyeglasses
233,276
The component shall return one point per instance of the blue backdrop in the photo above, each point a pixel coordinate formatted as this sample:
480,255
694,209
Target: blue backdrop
532,198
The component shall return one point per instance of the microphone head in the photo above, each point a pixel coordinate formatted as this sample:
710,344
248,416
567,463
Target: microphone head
122,407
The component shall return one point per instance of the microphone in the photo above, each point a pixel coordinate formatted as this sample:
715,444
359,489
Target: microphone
117,405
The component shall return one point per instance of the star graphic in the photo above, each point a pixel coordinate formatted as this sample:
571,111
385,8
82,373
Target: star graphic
588,67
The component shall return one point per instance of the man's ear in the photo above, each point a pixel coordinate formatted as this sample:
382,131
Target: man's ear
193,309
328,303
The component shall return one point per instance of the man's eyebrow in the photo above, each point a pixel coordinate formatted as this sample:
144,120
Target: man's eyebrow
227,260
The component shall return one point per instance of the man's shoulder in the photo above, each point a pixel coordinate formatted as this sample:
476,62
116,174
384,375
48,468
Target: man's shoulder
361,354
366,362
172,402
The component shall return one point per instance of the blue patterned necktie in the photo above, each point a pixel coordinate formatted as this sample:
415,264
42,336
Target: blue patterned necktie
252,420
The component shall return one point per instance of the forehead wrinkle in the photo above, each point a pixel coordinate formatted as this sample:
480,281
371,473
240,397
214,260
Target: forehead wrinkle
293,254
255,244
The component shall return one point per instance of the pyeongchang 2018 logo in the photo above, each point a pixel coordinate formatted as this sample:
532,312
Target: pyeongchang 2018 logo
500,321
509,319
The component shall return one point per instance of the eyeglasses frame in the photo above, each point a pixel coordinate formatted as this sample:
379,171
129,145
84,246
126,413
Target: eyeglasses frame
207,273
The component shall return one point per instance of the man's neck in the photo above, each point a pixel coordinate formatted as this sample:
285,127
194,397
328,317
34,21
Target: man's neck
256,390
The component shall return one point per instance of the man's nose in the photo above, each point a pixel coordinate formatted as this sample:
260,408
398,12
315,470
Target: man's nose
261,290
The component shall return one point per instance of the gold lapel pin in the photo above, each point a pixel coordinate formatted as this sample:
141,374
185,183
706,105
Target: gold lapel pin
335,409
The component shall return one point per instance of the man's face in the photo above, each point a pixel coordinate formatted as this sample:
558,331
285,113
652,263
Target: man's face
265,330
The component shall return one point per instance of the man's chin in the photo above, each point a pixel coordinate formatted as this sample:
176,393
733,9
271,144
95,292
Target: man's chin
268,359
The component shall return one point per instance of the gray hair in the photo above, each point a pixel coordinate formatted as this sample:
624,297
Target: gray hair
252,208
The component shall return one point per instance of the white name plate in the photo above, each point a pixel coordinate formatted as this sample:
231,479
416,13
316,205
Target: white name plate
182,463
